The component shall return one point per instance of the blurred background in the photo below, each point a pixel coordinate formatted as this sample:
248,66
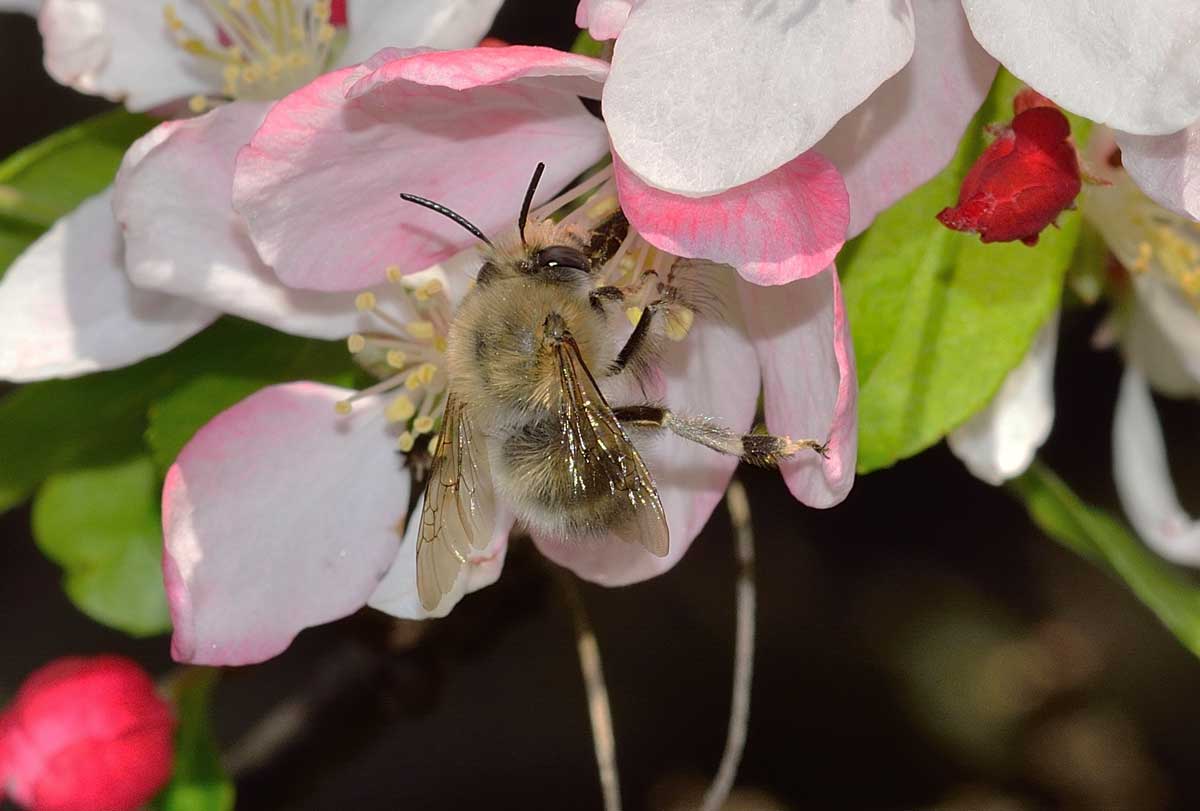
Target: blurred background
921,646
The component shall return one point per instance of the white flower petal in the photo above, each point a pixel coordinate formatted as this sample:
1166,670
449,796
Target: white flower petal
704,97
999,442
122,50
182,236
1134,66
1166,167
67,308
448,24
1143,478
1167,337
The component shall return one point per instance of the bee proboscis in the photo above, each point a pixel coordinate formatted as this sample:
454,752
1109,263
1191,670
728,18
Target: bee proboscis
525,418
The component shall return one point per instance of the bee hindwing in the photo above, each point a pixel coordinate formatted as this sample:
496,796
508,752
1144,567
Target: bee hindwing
603,459
459,514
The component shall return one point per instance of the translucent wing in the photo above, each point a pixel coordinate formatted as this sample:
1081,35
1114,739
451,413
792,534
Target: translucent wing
459,515
602,460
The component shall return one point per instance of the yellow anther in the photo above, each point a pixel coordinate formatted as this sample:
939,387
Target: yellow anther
423,424
426,372
365,301
634,314
197,104
401,409
172,18
421,330
428,290
603,207
343,407
393,274
412,381
679,322
405,442
356,343
439,343
396,359
433,443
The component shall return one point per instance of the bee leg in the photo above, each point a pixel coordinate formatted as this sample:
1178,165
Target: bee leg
763,450
638,342
597,297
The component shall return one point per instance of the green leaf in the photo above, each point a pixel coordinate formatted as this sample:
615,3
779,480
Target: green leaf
102,527
270,357
939,318
93,420
50,178
1172,594
586,46
198,783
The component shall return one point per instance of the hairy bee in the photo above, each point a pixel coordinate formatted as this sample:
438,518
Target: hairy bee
525,418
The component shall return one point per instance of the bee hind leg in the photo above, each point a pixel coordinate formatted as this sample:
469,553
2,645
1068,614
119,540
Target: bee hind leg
763,450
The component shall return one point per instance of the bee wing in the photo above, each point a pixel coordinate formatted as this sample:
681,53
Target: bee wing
601,455
459,515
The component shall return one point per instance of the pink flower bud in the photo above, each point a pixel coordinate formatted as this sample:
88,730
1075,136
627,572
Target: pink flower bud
86,734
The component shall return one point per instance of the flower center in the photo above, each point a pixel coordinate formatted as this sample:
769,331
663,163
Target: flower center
1147,238
645,274
407,351
263,49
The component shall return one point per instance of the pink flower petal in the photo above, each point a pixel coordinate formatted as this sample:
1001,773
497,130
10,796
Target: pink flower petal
182,236
712,372
279,515
909,128
809,388
603,19
704,97
376,24
1143,477
1166,167
397,592
787,225
1132,66
121,50
67,308
319,184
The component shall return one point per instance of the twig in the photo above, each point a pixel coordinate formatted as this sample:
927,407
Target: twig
743,667
597,693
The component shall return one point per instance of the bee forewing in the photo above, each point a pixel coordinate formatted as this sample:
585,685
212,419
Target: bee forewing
459,514
602,452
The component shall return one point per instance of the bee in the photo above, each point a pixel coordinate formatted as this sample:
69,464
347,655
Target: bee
525,419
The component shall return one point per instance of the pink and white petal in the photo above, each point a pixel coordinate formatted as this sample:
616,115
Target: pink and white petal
20,7
121,50
377,24
397,592
280,514
67,308
527,65
999,442
1143,477
182,236
713,372
705,98
809,388
319,183
1132,66
1166,167
603,19
909,128
787,225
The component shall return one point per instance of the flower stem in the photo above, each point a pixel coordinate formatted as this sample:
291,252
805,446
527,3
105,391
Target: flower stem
599,711
743,667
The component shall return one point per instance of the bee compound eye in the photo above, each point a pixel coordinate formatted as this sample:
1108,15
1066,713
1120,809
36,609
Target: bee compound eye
562,256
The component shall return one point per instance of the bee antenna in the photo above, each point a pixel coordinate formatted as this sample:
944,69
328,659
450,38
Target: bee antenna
445,212
533,184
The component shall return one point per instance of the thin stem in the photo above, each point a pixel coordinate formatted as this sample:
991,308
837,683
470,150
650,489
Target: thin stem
743,667
599,711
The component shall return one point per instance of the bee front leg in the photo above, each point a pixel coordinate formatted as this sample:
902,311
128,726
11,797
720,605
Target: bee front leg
638,343
763,450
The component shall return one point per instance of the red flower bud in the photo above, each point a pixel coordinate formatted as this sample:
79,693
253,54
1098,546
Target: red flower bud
1020,183
337,13
86,735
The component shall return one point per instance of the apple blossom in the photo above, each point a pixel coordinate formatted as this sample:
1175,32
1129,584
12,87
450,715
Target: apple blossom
86,733
177,256
323,494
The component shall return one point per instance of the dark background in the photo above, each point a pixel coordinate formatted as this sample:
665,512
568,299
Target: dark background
921,645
